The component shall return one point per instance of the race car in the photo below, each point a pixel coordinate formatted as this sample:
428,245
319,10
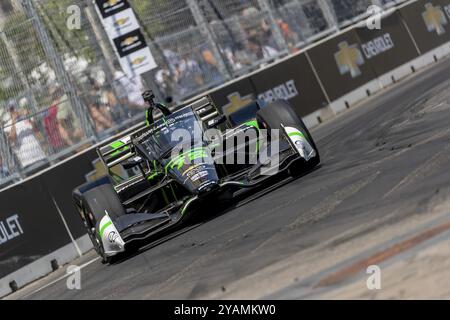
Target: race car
186,163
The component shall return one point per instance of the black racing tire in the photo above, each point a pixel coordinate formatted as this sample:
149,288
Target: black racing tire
104,198
94,202
280,112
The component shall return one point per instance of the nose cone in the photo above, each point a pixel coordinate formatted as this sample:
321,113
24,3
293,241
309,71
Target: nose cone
201,178
194,170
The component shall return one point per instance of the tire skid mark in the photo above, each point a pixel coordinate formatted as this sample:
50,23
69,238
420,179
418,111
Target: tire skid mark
321,211
383,255
207,256
430,166
291,202
333,201
354,172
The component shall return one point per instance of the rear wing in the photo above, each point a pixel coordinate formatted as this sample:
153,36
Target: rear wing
116,152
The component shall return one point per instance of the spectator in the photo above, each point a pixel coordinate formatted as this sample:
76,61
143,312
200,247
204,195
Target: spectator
98,107
129,92
189,76
265,34
69,122
262,52
164,81
22,130
172,59
250,11
210,67
62,126
53,130
290,36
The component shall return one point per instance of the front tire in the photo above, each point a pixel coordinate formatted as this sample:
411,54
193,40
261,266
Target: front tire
280,112
92,204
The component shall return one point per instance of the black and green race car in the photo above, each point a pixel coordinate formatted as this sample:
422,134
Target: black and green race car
186,163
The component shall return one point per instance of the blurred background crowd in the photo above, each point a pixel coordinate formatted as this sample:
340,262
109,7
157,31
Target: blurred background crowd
62,90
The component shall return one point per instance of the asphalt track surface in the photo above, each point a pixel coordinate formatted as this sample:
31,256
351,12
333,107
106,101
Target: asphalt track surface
383,162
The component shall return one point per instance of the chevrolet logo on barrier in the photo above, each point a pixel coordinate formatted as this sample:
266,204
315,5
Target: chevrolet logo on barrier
138,61
108,8
434,18
121,22
110,3
349,59
236,102
129,41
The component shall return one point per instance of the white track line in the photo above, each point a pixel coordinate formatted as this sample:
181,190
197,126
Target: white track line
67,227
60,278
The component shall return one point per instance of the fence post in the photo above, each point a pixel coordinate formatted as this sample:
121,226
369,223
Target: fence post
203,24
60,71
98,37
328,13
8,158
149,76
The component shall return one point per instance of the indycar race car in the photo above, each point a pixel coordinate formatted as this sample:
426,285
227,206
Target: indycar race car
186,163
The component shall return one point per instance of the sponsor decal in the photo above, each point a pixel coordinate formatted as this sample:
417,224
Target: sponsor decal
187,157
300,142
206,184
348,59
199,175
130,42
109,8
112,242
123,29
120,24
377,46
196,172
285,91
138,62
112,236
193,170
434,18
10,229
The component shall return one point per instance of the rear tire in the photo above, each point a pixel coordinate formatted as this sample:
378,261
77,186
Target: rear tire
280,112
